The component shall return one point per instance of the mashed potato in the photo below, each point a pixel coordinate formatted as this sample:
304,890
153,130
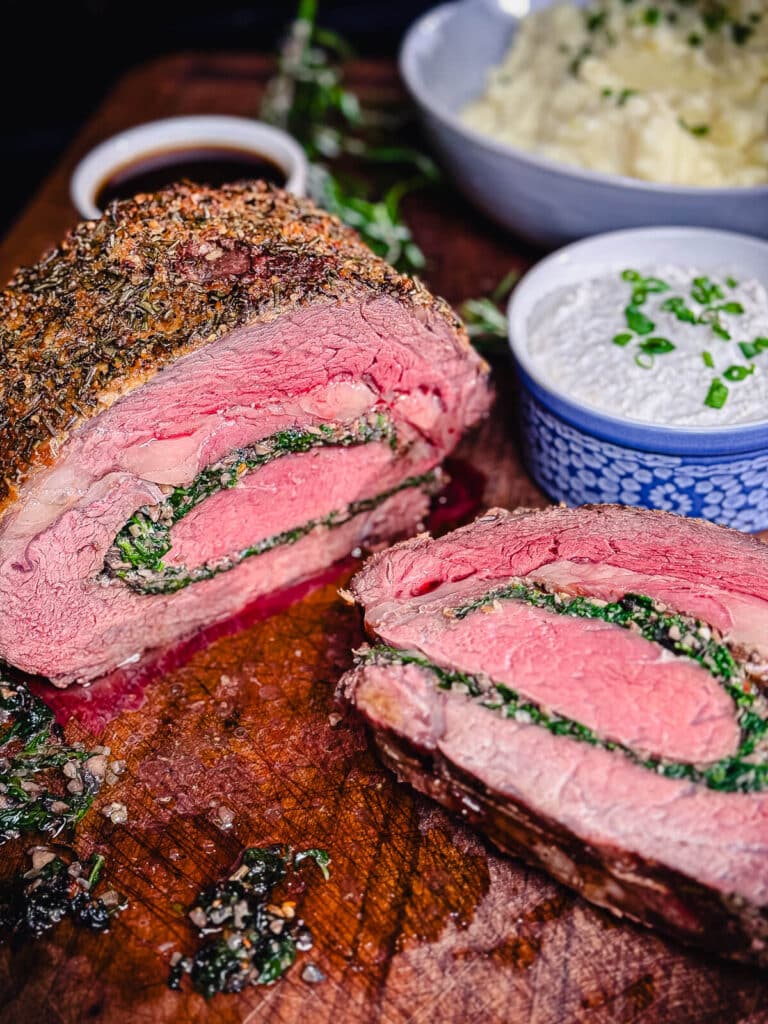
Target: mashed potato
672,91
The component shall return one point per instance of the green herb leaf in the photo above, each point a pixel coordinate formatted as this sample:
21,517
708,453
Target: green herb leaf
720,331
320,857
622,339
731,282
651,15
656,346
655,284
486,324
708,360
637,321
694,129
705,291
740,32
631,275
734,308
715,16
735,373
749,349
717,394
308,98
681,311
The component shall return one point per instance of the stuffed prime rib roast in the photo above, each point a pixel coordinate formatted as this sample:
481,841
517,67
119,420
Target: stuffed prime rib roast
588,687
207,394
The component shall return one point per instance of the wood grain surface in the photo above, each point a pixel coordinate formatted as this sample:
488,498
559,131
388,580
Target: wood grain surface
420,921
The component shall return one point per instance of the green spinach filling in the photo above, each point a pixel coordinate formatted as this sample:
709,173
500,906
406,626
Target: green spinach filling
136,556
745,771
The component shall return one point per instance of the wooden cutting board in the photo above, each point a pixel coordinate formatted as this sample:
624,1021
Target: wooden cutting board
420,920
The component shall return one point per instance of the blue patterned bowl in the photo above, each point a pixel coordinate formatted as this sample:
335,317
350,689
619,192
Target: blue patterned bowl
578,454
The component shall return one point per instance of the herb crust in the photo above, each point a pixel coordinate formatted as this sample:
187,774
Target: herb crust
157,277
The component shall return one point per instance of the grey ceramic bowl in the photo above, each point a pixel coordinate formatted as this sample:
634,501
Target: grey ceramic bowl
444,61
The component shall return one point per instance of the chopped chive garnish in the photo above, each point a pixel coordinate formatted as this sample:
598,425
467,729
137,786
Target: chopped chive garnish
731,282
624,95
680,310
708,360
717,394
651,15
655,284
637,320
622,339
705,291
694,129
631,275
730,307
714,17
644,360
738,372
741,32
720,331
749,349
656,346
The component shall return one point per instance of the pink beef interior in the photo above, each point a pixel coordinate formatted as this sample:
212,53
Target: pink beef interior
289,491
615,682
331,362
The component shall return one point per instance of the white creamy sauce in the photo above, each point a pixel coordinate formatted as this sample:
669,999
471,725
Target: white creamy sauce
571,346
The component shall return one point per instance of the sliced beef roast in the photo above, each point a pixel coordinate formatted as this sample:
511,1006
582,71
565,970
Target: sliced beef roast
207,394
588,686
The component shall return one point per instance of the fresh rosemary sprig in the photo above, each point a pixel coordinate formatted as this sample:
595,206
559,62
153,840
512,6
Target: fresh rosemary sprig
485,322
307,97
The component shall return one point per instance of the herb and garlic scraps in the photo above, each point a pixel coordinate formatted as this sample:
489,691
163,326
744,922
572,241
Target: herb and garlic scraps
671,346
46,786
253,939
670,91
55,888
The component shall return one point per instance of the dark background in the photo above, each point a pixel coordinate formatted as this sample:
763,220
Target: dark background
58,60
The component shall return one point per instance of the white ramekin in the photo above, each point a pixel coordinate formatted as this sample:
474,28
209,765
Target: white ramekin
578,454
175,133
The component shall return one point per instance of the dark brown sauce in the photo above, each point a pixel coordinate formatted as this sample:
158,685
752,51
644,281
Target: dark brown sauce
203,165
